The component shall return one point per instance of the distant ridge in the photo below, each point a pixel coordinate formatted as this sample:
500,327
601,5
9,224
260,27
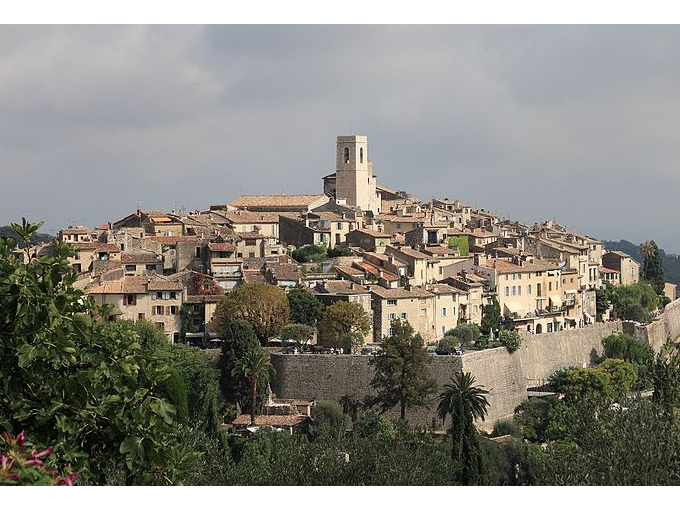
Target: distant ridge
671,263
6,231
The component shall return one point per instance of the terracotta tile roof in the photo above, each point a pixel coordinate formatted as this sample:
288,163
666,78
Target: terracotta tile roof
139,258
606,270
253,277
349,270
241,216
163,284
503,266
106,247
367,267
76,230
161,219
372,233
128,285
83,246
203,298
222,247
400,293
277,200
342,287
273,420
285,272
619,254
250,235
410,252
441,288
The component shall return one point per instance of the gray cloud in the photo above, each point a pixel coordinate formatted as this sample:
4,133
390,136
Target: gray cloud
577,123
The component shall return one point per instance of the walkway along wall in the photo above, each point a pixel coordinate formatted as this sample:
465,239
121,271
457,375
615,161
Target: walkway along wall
506,375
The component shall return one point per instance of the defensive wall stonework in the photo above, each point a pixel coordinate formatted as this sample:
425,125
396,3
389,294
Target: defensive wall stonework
506,375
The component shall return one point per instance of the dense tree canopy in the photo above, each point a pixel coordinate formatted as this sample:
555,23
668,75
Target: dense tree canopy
652,266
341,318
304,307
401,375
264,307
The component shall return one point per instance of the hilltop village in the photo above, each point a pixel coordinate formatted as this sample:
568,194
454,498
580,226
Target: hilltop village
435,264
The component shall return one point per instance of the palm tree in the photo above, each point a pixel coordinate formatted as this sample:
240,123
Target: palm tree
254,365
465,402
647,252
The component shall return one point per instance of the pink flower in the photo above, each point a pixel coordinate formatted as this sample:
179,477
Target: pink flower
35,462
67,480
21,438
45,453
14,476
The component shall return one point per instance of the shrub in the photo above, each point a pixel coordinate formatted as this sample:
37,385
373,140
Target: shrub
506,427
310,253
329,419
510,338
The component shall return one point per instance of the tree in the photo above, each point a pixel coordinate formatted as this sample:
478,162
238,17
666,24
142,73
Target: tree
88,389
666,378
264,307
255,367
603,384
329,419
460,242
602,300
634,302
401,373
298,333
239,340
340,318
491,317
627,348
351,341
310,253
465,402
304,307
467,333
510,338
652,267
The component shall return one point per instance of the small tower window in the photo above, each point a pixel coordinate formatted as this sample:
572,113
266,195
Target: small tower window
361,155
346,155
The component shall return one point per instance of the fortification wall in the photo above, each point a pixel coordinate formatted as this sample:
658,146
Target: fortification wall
543,354
506,375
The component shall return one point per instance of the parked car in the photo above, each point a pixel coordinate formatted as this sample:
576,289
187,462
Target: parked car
367,351
448,351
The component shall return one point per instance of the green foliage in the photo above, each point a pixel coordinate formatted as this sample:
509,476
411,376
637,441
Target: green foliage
636,446
339,252
34,237
671,263
373,425
603,384
340,318
88,389
329,419
401,374
201,379
310,253
449,342
175,391
465,402
510,338
256,368
264,307
602,300
632,350
543,419
466,333
652,266
460,242
634,302
506,427
665,373
491,317
298,333
304,307
239,339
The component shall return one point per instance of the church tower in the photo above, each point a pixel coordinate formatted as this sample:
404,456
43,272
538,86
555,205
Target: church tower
354,179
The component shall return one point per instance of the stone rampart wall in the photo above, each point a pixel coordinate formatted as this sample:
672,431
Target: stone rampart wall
506,375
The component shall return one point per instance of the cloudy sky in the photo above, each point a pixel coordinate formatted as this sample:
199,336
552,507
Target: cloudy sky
579,124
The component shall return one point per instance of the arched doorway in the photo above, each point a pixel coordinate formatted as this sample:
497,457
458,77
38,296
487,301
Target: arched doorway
539,328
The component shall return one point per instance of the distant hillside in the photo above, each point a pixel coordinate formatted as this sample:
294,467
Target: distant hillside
671,263
6,231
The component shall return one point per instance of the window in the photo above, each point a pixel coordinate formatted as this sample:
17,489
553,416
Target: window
514,290
389,332
173,310
453,310
507,291
529,289
392,316
444,312
157,310
141,316
549,285
346,158
130,299
130,267
198,252
151,267
391,302
507,277
161,326
519,290
361,155
251,242
339,226
403,316
423,311
443,330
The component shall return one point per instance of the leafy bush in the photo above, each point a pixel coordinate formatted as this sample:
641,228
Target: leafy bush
310,253
299,333
505,427
174,389
329,419
449,342
85,388
339,252
304,307
510,338
466,333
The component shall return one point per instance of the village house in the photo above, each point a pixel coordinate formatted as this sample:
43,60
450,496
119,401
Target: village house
415,305
279,203
153,298
627,267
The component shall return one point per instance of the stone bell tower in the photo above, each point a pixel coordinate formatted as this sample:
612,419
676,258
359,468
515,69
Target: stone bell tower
355,181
